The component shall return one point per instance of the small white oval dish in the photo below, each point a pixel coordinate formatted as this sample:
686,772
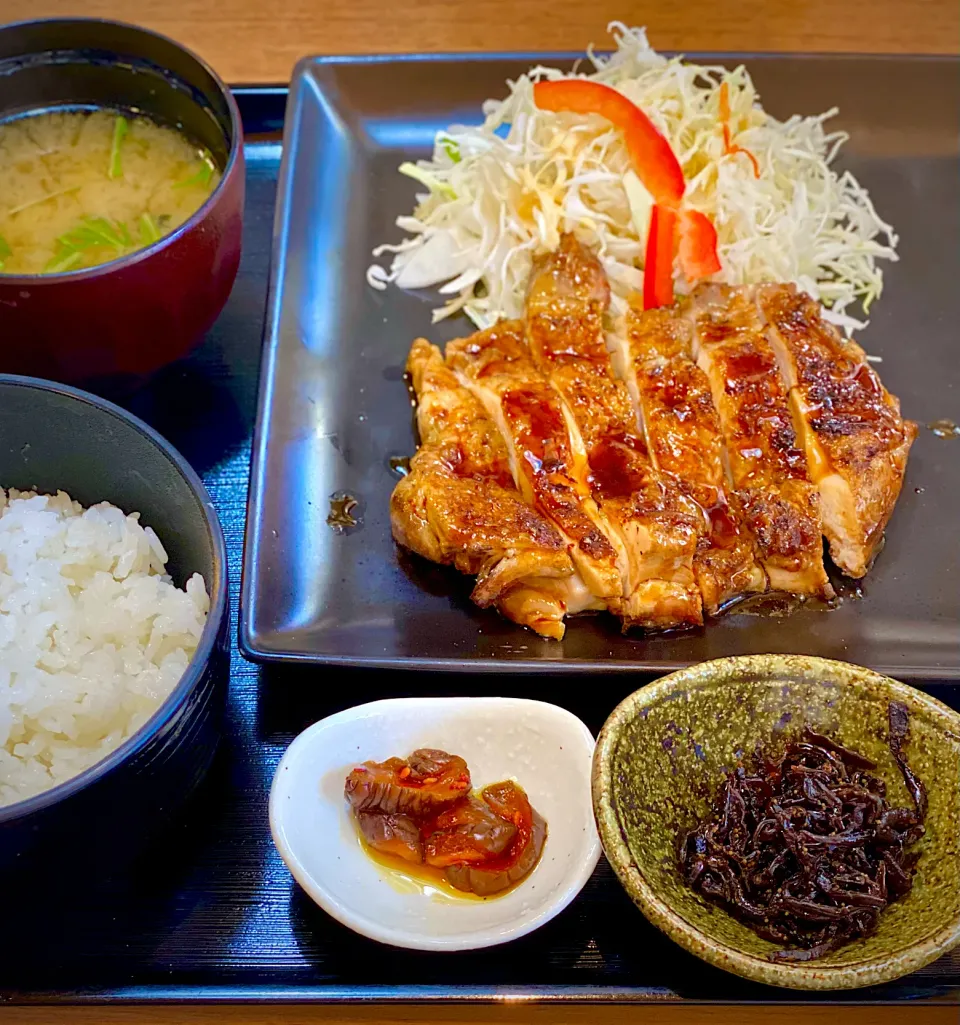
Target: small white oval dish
546,749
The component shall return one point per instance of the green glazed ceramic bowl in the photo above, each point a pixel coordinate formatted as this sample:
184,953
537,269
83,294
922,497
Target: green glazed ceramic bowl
662,754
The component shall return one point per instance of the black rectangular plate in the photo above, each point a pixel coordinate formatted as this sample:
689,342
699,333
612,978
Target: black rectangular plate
333,407
212,914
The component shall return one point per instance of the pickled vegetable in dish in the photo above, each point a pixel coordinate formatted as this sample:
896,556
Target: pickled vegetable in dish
421,811
806,850
420,785
397,835
468,832
82,188
490,875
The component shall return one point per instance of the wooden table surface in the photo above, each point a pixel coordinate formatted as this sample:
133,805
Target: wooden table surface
258,41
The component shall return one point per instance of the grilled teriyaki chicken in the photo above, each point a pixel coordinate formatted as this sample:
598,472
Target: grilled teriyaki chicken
660,466
768,472
850,426
459,505
654,351
544,445
648,518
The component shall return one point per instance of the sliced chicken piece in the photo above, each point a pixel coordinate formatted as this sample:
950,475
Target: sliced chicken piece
781,506
655,523
850,426
451,423
653,348
459,506
546,451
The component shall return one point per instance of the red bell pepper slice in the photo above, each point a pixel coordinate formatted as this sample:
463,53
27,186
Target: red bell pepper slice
697,245
662,176
658,263
729,146
652,157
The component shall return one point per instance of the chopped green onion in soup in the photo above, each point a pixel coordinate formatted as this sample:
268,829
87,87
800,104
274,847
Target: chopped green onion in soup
81,188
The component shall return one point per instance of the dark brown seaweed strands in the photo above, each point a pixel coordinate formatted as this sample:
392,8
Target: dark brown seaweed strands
806,850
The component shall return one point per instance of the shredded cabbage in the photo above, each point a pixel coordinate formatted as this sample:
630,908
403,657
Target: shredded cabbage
502,193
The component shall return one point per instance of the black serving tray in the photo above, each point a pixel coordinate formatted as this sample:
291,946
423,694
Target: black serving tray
212,913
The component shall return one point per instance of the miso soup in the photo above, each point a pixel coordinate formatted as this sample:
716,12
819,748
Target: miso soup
81,188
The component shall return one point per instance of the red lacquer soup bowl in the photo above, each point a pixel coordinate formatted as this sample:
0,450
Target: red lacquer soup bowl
137,313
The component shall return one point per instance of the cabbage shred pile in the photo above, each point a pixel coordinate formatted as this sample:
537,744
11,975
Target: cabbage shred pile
501,193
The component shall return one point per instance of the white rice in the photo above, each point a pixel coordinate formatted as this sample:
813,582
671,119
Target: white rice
93,635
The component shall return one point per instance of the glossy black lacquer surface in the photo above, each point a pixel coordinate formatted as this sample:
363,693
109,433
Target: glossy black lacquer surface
213,913
335,409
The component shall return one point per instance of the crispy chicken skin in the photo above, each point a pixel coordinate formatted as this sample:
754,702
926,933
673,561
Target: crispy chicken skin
458,505
545,449
647,516
685,440
768,472
659,466
855,440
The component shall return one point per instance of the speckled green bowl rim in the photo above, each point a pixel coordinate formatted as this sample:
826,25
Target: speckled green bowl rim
793,976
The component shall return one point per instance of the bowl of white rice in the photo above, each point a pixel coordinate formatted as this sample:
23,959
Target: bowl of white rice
113,602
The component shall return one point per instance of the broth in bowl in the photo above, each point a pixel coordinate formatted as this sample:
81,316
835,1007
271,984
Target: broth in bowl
79,188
